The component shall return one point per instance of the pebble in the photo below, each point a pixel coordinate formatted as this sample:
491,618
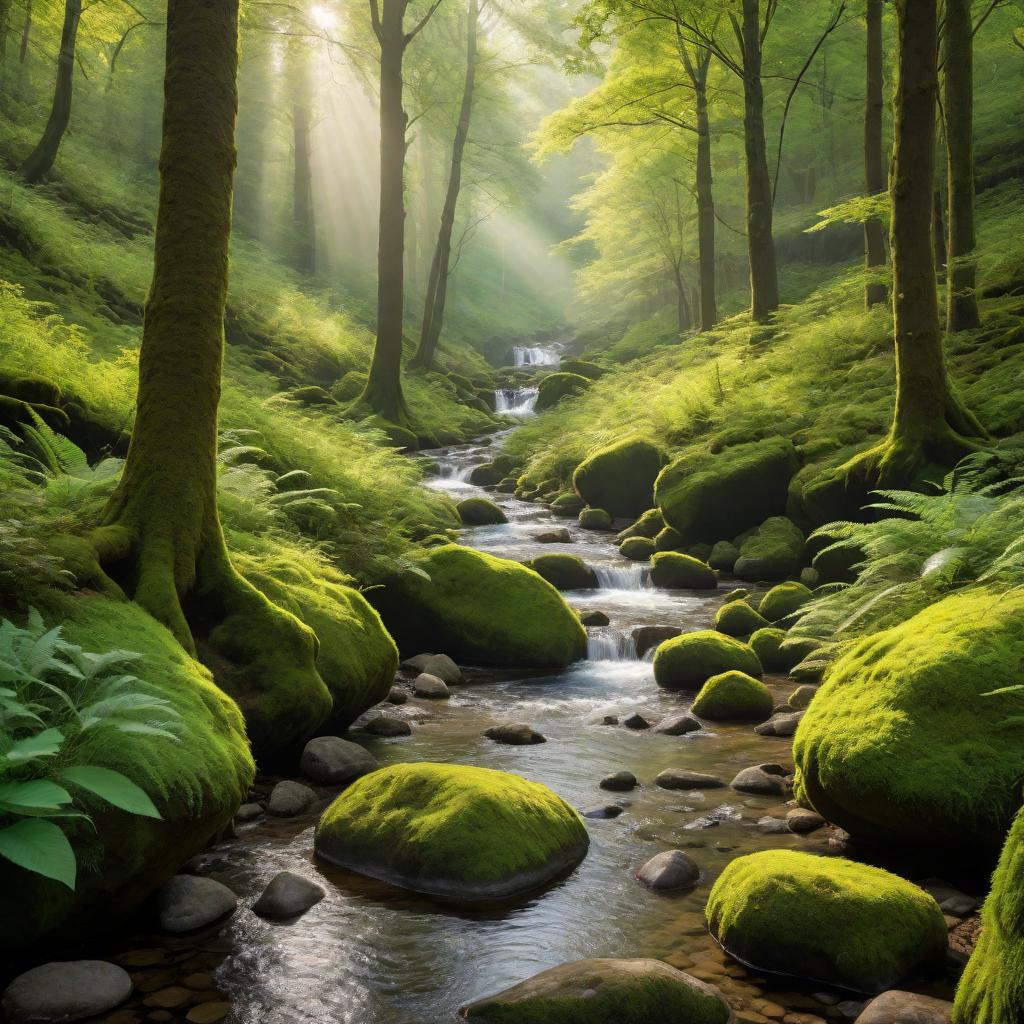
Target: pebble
762,780
803,821
438,665
387,726
398,695
780,725
636,721
331,761
679,778
515,734
677,725
66,991
619,782
168,998
288,895
896,1007
430,687
672,869
773,826
558,536
602,811
289,799
594,619
248,812
208,1013
189,902
610,720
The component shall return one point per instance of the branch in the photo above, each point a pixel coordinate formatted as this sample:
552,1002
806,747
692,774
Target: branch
421,24
375,20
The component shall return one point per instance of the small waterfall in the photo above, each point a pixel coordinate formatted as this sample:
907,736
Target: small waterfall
611,645
623,577
536,355
515,401
453,471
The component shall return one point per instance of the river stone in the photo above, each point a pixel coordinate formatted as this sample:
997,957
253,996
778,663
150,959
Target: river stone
680,778
188,902
773,826
398,695
619,782
646,637
248,812
950,900
594,619
288,895
896,1007
288,799
762,780
66,991
672,869
678,725
387,726
802,821
331,761
559,536
514,734
802,696
602,811
439,665
430,687
641,991
636,721
780,725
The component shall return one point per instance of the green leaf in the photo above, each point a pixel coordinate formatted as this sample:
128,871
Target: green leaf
44,744
41,847
113,787
33,795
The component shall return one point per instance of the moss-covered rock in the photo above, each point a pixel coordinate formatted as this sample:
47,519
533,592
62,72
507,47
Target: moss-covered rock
650,524
397,435
595,519
705,496
567,572
480,609
639,549
605,992
197,783
681,572
687,662
766,642
583,367
557,386
619,477
486,475
783,600
452,831
737,618
724,555
672,540
567,505
480,512
773,552
733,696
349,387
900,743
826,919
991,990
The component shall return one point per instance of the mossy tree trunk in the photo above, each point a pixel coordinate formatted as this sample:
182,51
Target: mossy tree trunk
437,283
41,159
875,291
958,110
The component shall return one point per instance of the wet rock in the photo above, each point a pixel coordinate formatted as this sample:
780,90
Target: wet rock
331,761
619,782
248,812
559,536
387,726
430,687
780,725
189,902
169,998
646,637
515,734
679,778
678,725
950,900
211,1012
439,665
288,895
896,1007
849,1009
636,721
802,696
288,799
773,826
602,811
594,619
672,869
803,822
610,720
66,991
398,695
762,780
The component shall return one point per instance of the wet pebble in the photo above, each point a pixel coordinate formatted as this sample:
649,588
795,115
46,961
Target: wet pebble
679,778
387,726
514,734
619,782
189,902
289,799
66,991
602,811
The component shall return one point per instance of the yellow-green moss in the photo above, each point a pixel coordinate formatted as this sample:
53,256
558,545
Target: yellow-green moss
557,386
733,696
678,571
619,477
564,571
773,552
480,512
737,618
783,600
687,662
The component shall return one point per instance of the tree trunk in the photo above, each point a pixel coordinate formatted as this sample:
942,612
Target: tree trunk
38,165
939,235
383,392
958,109
26,32
256,86
875,291
705,200
303,222
437,283
764,283
5,27
683,315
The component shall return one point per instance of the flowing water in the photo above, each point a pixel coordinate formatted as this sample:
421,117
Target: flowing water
537,355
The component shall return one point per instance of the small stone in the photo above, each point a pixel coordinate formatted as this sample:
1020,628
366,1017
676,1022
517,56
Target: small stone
773,826
950,900
762,780
168,998
387,726
610,720
559,536
619,782
514,734
896,1007
189,902
288,895
678,725
635,721
803,821
679,778
208,1013
802,696
248,812
602,811
65,991
430,687
780,725
672,869
332,761
197,982
398,695
289,799
438,665
594,619
646,637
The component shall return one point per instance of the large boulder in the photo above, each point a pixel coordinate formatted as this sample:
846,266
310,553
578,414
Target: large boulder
65,991
189,902
784,599
619,477
708,496
677,571
452,831
737,618
605,992
687,662
900,742
478,511
566,572
480,609
733,696
332,761
773,552
826,919
557,386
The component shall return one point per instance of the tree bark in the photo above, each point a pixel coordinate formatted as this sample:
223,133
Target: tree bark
698,72
40,161
764,283
958,110
875,292
939,234
26,32
683,315
303,223
437,283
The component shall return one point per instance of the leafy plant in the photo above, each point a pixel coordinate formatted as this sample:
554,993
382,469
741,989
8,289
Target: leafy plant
54,696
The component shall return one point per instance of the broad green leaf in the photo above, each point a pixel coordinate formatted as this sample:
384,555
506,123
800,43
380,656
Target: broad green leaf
41,847
44,744
33,795
113,787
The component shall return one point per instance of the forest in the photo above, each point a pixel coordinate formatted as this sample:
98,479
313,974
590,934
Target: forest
512,511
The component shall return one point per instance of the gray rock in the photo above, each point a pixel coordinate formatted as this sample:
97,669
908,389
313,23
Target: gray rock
773,826
248,812
559,536
610,720
802,696
803,821
439,665
679,778
646,637
387,725
951,901
678,725
288,895
594,619
188,902
672,869
398,695
65,991
515,734
810,577
430,687
780,725
636,721
619,782
762,780
289,799
602,811
896,1007
331,761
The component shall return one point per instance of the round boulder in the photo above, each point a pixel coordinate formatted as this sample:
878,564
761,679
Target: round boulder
189,902
515,734
637,549
676,571
737,618
66,991
688,661
672,869
766,642
288,799
680,778
332,761
896,1007
387,726
784,599
619,477
480,512
287,895
733,696
595,519
619,782
430,687
774,551
439,665
564,571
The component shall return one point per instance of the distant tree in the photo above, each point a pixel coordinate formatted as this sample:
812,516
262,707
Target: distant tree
874,157
303,217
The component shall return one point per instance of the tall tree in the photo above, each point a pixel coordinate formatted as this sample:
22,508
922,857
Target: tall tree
41,159
875,291
437,283
958,111
303,222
